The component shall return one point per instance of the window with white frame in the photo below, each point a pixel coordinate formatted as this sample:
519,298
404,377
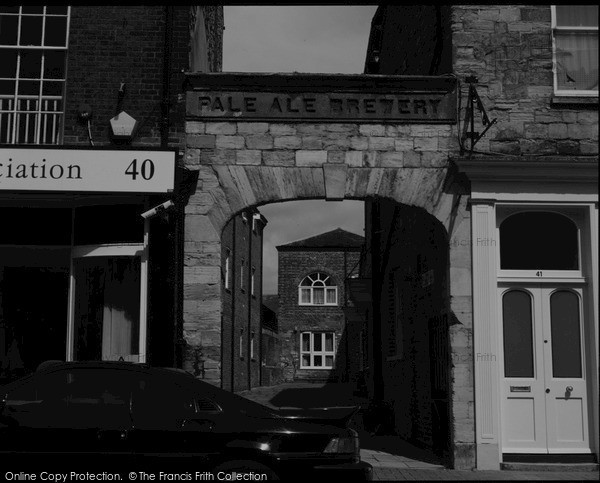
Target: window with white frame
575,45
33,50
317,350
252,276
227,274
317,289
252,346
243,276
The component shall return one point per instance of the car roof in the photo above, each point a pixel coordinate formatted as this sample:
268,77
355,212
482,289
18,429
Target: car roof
54,365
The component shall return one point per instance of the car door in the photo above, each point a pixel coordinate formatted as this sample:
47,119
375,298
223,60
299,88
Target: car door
71,410
169,419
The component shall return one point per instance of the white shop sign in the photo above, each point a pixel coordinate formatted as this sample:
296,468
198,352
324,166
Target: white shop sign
97,170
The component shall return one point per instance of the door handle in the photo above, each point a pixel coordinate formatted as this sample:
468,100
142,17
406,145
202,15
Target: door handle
569,388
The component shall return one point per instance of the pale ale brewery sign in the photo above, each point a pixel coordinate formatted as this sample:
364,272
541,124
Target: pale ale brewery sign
322,98
87,170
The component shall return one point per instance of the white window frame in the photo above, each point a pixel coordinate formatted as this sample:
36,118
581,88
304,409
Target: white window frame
556,28
47,116
327,288
227,274
312,353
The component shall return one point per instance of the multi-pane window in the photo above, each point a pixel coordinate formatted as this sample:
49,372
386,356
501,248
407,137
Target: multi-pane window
33,49
575,37
317,289
317,350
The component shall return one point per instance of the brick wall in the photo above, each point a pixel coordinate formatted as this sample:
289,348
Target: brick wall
294,265
111,44
241,311
429,28
413,244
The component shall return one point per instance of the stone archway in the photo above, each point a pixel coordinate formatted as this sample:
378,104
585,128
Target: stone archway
244,163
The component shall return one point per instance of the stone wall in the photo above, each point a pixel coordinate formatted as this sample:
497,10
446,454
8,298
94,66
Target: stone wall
509,49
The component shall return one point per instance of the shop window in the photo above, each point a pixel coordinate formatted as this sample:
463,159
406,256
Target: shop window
33,49
109,224
35,226
539,241
575,37
317,289
317,350
107,308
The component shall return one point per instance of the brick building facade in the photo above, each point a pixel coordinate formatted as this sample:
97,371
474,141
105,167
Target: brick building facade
317,342
241,312
73,186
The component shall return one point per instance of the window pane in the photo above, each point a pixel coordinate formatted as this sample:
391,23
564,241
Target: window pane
8,29
577,15
307,282
329,342
318,296
8,63
538,240
52,88
9,9
55,34
6,87
577,61
29,88
33,9
331,299
54,65
318,361
566,344
305,295
305,342
317,342
328,361
31,64
31,31
518,334
56,10
305,360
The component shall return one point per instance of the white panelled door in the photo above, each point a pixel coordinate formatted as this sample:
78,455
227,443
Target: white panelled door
544,403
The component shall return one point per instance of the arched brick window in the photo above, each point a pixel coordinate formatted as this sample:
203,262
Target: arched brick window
317,289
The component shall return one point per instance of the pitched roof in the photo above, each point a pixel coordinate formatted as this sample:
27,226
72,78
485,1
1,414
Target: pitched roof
337,238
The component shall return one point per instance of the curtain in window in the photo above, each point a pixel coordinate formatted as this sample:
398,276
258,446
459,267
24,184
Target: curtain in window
318,296
577,61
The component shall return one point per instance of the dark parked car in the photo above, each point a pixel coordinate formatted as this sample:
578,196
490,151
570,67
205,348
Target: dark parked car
136,411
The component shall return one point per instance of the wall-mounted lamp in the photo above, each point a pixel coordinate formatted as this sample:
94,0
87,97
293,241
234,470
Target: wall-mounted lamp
123,126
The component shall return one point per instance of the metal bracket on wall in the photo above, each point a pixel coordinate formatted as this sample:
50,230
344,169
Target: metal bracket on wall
474,102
